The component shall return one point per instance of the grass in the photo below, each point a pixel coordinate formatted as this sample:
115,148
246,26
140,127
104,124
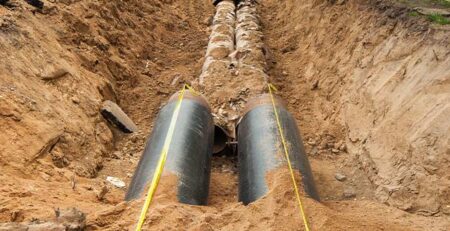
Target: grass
439,19
445,3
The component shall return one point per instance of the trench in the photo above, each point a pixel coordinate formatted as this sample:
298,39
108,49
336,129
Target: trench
235,46
226,57
366,82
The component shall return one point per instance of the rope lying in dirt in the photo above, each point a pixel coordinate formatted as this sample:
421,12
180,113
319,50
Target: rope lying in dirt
286,153
162,157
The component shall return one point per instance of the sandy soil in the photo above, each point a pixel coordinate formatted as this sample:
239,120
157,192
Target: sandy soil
368,85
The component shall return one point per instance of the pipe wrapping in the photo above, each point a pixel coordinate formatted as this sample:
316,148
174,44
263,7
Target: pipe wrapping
189,157
260,149
221,41
250,48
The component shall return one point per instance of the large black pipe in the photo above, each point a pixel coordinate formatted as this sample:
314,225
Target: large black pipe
260,149
190,151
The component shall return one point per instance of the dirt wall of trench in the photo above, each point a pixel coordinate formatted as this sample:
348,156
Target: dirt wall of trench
368,74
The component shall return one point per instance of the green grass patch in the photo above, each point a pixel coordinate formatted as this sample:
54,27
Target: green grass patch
445,3
439,19
414,14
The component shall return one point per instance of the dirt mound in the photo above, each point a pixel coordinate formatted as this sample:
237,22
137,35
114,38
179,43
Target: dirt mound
277,210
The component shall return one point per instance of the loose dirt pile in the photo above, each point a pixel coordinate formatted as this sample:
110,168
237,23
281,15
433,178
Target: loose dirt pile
369,87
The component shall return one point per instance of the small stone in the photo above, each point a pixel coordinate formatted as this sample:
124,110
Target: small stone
315,85
333,150
343,147
349,193
430,169
337,144
115,181
75,100
163,91
340,177
116,155
446,209
314,151
284,73
102,192
45,176
53,74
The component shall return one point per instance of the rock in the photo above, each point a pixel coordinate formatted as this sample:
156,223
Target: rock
430,169
284,73
349,193
115,181
163,91
340,177
446,209
430,11
72,218
315,85
102,192
333,150
314,151
114,114
75,100
54,74
343,147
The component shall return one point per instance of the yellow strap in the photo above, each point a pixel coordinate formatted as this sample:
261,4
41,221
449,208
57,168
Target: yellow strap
162,158
286,153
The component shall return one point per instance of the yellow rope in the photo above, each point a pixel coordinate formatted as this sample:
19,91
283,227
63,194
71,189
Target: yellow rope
286,153
162,158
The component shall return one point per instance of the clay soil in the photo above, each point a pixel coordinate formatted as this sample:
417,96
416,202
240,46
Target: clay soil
368,84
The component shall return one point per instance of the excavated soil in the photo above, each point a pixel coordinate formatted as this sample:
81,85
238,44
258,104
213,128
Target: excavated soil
368,85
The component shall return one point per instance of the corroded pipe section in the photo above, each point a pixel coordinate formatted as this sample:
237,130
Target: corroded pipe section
189,157
250,48
221,40
260,150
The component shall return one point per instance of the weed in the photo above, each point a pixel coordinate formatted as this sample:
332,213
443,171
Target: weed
413,14
439,19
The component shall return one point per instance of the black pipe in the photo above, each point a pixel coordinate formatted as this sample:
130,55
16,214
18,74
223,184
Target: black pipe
190,151
259,146
221,138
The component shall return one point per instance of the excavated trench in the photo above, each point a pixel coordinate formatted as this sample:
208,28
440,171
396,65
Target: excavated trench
367,84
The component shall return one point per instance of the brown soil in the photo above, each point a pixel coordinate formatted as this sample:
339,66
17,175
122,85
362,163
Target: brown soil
368,85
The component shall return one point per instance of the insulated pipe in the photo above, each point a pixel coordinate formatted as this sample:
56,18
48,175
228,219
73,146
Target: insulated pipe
221,40
250,39
260,150
189,157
